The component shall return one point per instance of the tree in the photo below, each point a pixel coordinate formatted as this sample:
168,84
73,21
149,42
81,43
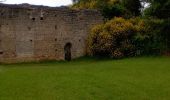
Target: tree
133,6
109,8
159,9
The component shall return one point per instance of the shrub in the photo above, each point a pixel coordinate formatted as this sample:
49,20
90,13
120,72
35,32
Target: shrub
129,37
113,39
149,40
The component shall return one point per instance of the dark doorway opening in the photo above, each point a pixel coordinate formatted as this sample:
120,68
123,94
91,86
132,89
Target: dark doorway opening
67,51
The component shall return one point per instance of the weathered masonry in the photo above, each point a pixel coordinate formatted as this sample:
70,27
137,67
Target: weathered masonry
31,33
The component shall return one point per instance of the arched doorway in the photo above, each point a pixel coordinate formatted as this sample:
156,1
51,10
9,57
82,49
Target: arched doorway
67,51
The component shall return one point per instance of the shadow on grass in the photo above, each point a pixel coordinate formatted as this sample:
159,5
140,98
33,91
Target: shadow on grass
85,59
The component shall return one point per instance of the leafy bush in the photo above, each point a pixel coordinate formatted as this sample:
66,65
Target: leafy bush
129,37
113,39
151,38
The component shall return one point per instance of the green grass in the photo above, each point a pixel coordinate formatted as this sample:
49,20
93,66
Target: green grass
144,78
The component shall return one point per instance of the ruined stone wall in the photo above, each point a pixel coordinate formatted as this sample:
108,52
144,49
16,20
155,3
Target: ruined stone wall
29,33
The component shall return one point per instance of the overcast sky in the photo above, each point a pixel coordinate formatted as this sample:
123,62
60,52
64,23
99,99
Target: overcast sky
52,3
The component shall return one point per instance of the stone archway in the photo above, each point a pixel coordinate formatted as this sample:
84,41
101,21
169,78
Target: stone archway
67,51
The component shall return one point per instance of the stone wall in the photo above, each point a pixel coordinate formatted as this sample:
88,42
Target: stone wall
31,33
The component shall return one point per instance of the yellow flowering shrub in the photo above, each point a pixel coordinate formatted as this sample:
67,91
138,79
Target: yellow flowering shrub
120,37
112,39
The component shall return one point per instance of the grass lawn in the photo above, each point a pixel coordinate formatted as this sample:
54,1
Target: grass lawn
144,78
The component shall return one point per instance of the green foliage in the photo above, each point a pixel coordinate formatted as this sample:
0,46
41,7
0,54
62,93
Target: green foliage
110,11
150,39
132,36
85,4
109,8
159,9
132,6
113,39
129,37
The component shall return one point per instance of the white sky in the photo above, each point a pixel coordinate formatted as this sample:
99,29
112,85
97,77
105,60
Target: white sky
52,3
